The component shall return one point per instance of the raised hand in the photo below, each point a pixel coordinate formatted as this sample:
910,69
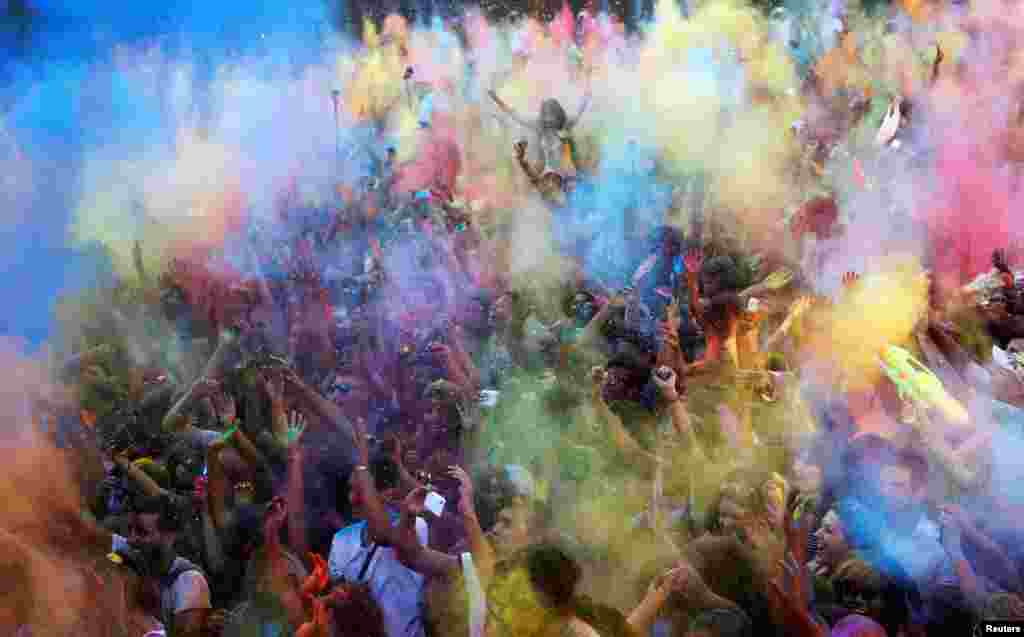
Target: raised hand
414,504
891,123
273,385
520,148
800,307
790,591
796,528
665,378
465,489
318,577
296,426
318,625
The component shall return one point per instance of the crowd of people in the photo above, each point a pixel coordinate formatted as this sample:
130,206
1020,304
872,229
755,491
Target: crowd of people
374,427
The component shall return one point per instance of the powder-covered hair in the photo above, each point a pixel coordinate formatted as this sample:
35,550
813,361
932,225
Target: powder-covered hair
552,115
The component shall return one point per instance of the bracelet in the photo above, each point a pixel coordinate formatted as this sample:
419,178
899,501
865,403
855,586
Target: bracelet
361,467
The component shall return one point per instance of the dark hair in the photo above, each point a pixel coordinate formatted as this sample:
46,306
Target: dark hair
553,108
893,591
356,613
384,472
171,520
732,571
494,492
554,573
725,269
183,454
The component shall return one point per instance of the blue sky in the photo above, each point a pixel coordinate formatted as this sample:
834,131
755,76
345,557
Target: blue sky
44,98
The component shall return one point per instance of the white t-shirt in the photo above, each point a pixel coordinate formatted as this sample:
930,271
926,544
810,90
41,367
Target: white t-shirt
396,588
189,591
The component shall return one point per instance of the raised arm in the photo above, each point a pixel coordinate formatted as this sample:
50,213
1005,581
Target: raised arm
297,535
621,438
410,552
508,110
273,388
799,307
665,379
320,405
956,523
289,595
584,105
138,476
217,360
217,486
531,172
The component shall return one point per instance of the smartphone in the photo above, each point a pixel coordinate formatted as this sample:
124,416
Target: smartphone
434,502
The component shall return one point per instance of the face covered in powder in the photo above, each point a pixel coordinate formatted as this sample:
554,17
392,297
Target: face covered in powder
552,115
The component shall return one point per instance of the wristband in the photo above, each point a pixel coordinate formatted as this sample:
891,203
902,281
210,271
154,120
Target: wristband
361,467
226,436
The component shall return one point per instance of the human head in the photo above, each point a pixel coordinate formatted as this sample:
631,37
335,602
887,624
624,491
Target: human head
551,184
552,115
354,612
860,589
736,501
553,573
154,528
477,312
184,464
902,480
512,528
624,381
858,626
352,392
808,475
719,274
732,571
